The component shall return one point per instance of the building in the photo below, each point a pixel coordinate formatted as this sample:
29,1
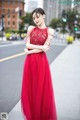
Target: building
63,6
50,10
32,5
11,18
77,7
54,8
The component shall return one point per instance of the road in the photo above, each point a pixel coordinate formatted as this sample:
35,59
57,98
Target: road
11,71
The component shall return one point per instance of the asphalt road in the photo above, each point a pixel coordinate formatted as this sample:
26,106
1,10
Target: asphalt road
11,72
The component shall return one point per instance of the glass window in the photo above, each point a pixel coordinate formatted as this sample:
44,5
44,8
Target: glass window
14,3
8,10
8,16
3,2
3,10
13,23
8,2
13,16
13,10
8,22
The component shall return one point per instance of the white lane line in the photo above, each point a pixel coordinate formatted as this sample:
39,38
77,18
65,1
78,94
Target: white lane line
12,44
60,44
13,56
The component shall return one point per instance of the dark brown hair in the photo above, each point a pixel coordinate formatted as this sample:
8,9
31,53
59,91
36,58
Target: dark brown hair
38,10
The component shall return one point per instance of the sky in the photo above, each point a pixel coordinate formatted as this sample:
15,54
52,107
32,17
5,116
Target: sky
26,4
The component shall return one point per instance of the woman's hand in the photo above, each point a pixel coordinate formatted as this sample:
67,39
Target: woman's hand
27,51
45,48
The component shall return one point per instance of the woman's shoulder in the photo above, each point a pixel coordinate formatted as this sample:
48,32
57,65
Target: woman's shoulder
30,28
50,30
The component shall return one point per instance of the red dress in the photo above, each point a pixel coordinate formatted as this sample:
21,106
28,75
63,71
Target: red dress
37,96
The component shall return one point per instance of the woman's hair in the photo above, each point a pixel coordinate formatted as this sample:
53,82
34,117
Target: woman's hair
38,10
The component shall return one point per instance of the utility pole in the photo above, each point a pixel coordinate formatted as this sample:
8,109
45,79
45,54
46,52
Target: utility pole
17,10
2,26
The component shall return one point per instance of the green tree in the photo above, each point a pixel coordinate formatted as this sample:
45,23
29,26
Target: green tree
55,22
27,19
70,22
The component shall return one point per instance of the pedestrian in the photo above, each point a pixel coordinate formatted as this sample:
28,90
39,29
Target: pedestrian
37,95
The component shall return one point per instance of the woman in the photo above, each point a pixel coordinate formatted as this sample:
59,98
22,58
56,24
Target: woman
37,96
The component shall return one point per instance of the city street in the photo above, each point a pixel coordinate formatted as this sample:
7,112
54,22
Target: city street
65,69
64,63
50,21
11,65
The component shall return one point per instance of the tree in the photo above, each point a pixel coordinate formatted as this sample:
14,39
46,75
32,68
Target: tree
72,21
55,22
27,19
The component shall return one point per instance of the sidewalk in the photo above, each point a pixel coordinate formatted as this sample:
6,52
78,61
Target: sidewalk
66,82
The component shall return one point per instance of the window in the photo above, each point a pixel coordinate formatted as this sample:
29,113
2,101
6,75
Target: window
8,10
8,22
8,16
14,3
13,10
13,23
13,16
3,2
3,10
8,2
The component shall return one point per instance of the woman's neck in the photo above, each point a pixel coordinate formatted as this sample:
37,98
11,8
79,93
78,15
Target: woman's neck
42,25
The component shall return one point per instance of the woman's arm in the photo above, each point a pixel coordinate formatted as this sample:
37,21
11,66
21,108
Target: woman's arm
46,45
32,51
50,37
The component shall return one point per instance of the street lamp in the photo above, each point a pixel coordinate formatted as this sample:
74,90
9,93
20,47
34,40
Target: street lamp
2,25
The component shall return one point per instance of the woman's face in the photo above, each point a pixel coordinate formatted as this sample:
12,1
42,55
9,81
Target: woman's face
38,19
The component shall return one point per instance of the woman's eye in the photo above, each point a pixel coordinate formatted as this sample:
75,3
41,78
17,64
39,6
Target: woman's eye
33,18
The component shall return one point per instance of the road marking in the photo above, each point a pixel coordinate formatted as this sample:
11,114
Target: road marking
59,44
13,56
12,44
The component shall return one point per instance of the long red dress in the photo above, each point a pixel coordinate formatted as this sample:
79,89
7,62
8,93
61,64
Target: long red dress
37,96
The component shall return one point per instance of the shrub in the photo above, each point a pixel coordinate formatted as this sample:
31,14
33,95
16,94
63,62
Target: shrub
8,35
55,22
70,39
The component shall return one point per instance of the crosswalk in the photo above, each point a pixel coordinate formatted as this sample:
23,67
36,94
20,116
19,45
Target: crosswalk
66,83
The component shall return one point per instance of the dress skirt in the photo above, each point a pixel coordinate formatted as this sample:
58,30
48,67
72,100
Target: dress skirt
37,95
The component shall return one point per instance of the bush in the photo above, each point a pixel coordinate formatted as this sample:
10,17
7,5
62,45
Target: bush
78,36
55,22
63,31
70,39
8,35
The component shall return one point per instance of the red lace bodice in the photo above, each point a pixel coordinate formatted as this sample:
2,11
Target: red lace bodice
38,36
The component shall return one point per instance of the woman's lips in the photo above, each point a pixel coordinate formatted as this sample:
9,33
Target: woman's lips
37,22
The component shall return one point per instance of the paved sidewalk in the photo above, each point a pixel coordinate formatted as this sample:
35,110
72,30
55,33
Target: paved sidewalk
66,82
